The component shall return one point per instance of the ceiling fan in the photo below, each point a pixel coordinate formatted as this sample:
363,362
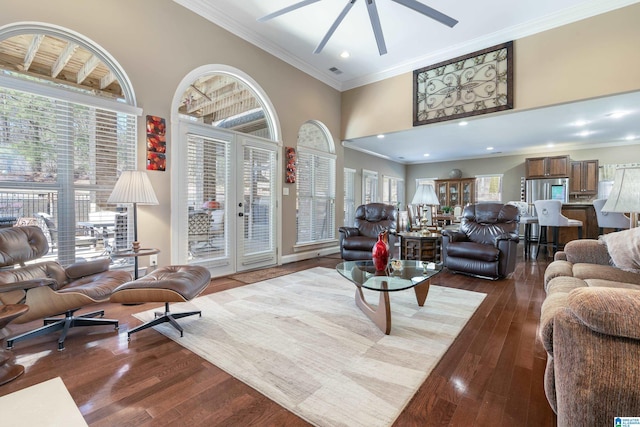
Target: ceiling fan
373,17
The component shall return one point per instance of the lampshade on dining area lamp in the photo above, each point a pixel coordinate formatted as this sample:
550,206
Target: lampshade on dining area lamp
134,187
625,194
425,196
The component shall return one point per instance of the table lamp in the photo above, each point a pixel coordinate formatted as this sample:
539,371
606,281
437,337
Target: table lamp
625,194
134,187
425,196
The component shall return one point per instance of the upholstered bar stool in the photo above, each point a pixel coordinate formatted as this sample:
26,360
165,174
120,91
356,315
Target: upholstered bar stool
177,283
549,213
528,221
616,220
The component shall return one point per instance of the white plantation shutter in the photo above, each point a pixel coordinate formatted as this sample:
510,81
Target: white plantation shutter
392,190
208,179
60,156
369,186
259,201
349,197
316,197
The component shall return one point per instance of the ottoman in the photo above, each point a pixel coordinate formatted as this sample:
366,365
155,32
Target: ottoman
175,283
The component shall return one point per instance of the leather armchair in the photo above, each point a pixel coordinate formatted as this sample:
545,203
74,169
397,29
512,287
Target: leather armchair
48,288
486,243
357,242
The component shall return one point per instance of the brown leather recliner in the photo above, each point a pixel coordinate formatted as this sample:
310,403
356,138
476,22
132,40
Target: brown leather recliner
486,243
48,288
357,242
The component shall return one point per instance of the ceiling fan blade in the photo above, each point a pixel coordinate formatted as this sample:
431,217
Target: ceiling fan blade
428,11
375,24
287,10
334,26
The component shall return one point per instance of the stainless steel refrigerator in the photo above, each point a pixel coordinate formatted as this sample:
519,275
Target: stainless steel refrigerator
545,189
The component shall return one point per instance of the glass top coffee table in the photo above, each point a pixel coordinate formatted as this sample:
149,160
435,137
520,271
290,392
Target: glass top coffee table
405,275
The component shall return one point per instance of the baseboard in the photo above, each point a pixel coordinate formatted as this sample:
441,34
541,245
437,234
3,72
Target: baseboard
301,256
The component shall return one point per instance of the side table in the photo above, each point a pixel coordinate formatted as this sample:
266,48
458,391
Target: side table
417,247
8,370
130,253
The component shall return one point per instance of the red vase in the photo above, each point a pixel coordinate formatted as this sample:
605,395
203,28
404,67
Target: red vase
380,252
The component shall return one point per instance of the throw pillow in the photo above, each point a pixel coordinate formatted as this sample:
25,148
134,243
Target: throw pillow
624,249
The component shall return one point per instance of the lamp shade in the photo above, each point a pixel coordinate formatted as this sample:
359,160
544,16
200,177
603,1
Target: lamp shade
425,195
625,194
133,187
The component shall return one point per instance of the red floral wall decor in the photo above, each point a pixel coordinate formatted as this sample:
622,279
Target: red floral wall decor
290,168
156,144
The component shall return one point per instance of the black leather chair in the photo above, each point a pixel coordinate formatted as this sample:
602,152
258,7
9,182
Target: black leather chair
357,242
486,243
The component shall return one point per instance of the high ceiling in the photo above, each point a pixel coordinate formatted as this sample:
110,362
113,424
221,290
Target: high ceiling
414,41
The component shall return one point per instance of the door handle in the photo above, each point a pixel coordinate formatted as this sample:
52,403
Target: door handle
240,214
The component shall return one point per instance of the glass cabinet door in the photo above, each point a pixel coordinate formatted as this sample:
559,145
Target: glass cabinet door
467,192
454,194
442,193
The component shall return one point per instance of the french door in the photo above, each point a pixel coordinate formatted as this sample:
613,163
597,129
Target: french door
224,200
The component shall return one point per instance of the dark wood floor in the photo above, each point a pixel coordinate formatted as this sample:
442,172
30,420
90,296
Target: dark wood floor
491,376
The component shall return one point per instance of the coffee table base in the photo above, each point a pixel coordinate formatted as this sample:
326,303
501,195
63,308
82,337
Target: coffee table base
381,315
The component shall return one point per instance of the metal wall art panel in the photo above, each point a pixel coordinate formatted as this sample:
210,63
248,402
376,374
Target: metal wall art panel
477,83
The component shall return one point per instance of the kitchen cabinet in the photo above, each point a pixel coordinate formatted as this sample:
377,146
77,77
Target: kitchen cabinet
547,167
583,179
454,192
583,212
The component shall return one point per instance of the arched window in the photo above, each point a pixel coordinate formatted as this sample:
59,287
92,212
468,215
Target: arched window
67,130
315,184
225,172
224,101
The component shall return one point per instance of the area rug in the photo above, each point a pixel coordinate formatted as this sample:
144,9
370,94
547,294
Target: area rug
45,404
301,341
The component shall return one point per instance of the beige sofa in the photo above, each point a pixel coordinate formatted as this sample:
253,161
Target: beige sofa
590,329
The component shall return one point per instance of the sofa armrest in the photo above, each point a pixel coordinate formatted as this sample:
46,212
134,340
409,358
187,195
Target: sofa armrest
609,311
595,374
348,231
514,237
455,236
87,268
588,251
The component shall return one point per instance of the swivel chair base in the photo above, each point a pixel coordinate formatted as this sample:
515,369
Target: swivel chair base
166,317
52,324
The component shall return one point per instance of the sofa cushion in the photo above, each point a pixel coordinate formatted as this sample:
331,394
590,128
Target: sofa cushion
601,283
624,249
473,250
604,272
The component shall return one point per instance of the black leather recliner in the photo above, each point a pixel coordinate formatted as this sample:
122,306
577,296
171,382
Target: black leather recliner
486,243
357,242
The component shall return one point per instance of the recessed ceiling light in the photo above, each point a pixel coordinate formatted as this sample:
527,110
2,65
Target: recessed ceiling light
584,133
345,54
550,144
426,154
463,123
489,148
580,123
617,114
380,136
630,137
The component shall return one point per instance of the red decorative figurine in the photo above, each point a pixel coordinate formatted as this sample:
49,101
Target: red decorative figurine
380,252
